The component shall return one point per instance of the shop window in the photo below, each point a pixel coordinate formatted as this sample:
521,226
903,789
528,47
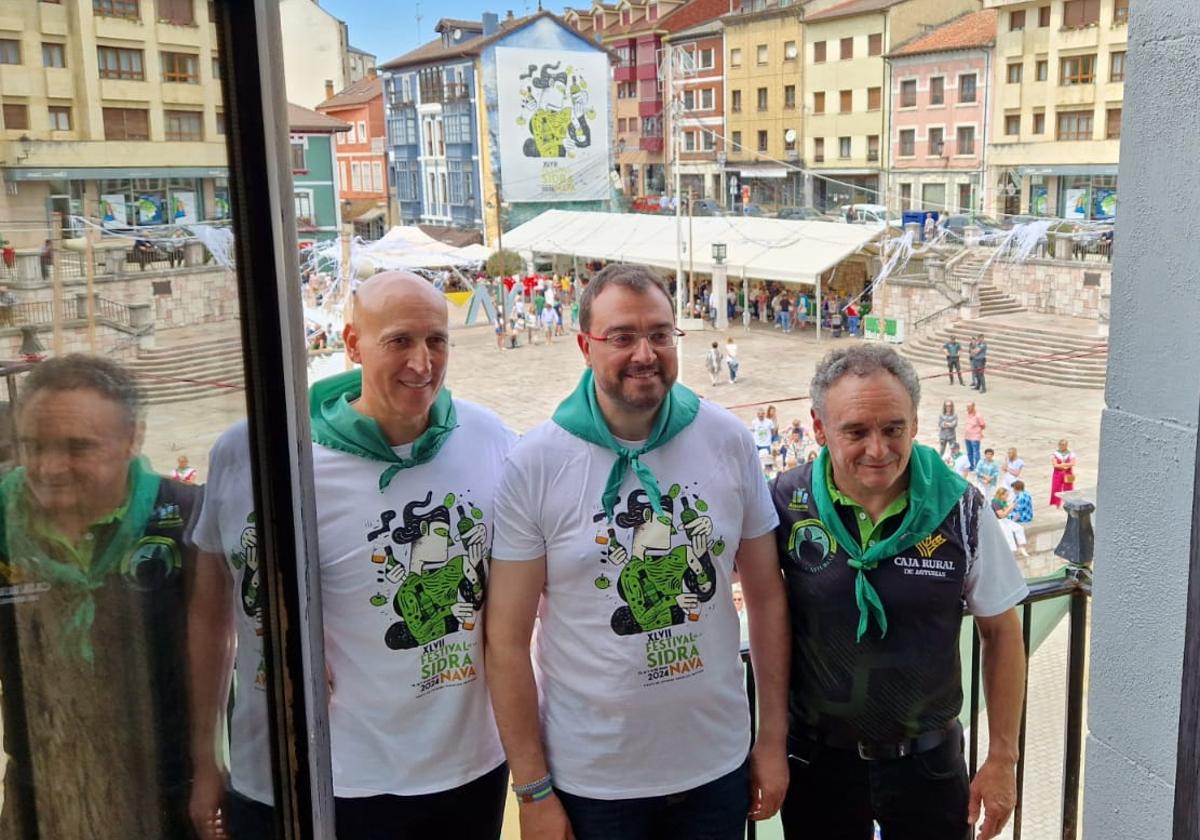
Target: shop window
1077,70
908,93
818,52
908,142
53,55
937,90
16,116
126,124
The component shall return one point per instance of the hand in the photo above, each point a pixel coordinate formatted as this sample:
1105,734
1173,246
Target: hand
995,791
687,602
768,779
463,611
698,531
476,552
204,806
476,536
617,553
545,820
396,573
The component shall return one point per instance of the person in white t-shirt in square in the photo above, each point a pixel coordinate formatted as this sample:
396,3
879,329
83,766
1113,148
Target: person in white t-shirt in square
617,525
763,429
405,478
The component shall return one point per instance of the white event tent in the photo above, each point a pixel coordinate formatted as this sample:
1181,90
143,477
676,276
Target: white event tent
760,249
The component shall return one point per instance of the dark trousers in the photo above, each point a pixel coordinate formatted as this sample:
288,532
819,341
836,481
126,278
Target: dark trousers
835,795
953,367
977,378
474,811
246,818
714,811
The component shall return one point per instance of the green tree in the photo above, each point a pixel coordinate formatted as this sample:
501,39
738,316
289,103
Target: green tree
505,263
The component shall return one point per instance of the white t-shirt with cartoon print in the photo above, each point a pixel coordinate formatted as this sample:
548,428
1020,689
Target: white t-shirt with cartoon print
226,526
403,573
637,654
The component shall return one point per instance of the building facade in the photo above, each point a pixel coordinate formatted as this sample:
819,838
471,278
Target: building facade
846,84
1059,81
316,50
698,86
109,111
940,93
361,155
765,103
314,175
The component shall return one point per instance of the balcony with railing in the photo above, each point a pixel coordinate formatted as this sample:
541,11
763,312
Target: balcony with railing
436,90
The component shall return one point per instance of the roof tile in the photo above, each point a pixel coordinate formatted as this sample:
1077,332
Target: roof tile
852,7
359,93
974,29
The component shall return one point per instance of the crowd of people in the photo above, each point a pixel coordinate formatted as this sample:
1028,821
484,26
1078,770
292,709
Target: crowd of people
543,311
786,309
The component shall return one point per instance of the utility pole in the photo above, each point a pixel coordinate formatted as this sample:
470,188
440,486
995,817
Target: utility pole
691,287
56,288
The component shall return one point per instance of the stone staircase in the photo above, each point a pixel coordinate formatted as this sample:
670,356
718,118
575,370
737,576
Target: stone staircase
1021,347
992,301
190,369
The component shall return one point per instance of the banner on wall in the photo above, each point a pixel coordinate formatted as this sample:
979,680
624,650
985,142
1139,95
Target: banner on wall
1039,201
113,210
553,130
149,207
183,204
1104,202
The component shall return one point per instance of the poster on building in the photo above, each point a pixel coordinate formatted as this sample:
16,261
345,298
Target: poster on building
1104,202
149,207
113,211
1039,201
183,204
1075,205
553,129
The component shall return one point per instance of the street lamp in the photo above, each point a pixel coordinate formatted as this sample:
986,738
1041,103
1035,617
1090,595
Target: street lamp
718,253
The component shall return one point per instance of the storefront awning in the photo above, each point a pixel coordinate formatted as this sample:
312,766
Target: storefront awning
750,170
369,216
112,173
1069,169
765,249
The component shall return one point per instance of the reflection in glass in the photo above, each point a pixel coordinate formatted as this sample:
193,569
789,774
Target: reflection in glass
92,578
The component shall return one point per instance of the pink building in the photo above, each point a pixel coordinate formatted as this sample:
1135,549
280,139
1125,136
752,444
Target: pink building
940,84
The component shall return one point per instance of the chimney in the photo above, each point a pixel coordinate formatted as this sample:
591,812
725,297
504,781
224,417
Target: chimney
508,16
329,88
491,23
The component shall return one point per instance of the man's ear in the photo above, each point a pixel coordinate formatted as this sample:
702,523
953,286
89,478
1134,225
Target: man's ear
818,428
350,339
585,347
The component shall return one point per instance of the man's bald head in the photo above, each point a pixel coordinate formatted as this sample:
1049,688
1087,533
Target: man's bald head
395,288
399,333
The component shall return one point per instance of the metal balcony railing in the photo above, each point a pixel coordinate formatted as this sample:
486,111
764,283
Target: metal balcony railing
1073,582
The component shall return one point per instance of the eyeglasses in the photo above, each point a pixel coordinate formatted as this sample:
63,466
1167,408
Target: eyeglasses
659,339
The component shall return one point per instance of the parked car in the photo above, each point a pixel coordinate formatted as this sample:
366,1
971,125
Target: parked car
751,210
865,214
799,213
958,222
707,207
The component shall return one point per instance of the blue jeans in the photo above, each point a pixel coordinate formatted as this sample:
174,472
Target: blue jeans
853,324
785,320
714,811
973,452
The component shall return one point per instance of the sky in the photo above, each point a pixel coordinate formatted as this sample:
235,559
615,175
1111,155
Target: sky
388,28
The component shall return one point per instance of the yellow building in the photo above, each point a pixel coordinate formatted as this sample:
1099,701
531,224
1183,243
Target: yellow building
846,90
113,103
1058,87
763,98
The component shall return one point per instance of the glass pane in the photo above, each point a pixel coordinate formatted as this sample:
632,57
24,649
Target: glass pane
132,604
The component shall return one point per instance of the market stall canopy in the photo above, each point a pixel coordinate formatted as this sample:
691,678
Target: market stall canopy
768,249
410,247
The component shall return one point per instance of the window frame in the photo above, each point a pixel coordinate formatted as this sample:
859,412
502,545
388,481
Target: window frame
818,102
874,98
9,110
1109,133
735,100
1088,14
846,48
1039,123
127,9
1013,72
1078,132
762,54
818,150
10,47
1016,20
846,101
170,61
906,143
935,148
1008,123
974,77
820,49
764,140
120,73
179,134
762,100
941,91
108,115
1043,16
908,93
735,56
51,49
789,97
845,147
958,141
875,44
54,111
1078,76
1114,58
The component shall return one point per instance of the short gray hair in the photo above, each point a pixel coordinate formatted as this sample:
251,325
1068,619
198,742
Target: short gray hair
77,370
862,360
640,278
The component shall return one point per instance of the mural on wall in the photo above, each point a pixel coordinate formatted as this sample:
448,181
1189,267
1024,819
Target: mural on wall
553,133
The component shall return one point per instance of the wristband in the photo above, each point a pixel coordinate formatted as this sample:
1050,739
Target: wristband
534,791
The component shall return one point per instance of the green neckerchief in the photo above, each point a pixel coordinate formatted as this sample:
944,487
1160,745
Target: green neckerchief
933,490
338,425
580,415
27,553
866,528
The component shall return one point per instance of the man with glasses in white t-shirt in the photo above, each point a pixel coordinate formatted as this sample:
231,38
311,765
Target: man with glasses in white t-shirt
617,525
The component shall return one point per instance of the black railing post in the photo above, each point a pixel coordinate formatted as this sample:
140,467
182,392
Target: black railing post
752,699
1077,548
